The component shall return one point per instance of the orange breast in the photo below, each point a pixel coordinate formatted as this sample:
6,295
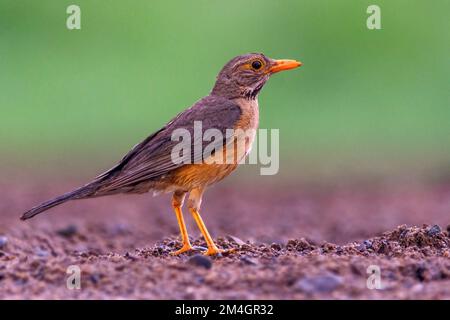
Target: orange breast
199,175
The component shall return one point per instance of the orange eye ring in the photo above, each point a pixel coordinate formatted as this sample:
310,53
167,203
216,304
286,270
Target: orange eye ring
257,64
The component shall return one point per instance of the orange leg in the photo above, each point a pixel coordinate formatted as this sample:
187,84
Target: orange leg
184,235
212,248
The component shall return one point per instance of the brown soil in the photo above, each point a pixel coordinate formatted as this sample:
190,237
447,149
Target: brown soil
290,243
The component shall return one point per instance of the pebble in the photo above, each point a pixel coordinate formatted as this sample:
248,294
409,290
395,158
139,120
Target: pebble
236,240
95,278
276,246
42,252
3,241
200,261
319,284
199,248
68,231
434,230
130,256
163,248
367,244
248,261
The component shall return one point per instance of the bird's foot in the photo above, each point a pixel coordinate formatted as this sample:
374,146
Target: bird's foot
213,251
185,248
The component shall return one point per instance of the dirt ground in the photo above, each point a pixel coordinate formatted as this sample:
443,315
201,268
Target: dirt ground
290,242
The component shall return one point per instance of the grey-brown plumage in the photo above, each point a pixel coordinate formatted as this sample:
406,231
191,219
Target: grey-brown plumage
150,160
231,104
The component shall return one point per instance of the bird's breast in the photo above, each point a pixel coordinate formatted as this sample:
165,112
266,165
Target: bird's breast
250,113
247,123
225,161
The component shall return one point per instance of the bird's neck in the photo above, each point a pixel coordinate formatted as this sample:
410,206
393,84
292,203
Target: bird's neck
232,90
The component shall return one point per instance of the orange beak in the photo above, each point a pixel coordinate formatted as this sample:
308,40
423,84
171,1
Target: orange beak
281,65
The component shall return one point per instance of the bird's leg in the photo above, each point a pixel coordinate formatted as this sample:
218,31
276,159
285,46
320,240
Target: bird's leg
212,248
195,199
177,203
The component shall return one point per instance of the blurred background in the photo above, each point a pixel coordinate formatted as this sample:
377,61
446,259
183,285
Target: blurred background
364,137
368,105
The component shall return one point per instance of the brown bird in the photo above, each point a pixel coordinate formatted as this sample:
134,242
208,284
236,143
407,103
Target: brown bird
150,166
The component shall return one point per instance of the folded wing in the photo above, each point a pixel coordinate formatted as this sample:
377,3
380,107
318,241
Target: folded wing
152,159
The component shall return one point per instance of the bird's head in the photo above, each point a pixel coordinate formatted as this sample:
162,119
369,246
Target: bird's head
245,75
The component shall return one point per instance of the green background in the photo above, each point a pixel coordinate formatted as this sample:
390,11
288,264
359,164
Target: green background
366,104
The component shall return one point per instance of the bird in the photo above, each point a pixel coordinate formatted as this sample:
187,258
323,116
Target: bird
150,166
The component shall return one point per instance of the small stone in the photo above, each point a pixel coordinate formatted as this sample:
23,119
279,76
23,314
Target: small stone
236,240
3,241
161,248
434,230
130,257
199,248
328,247
172,243
319,284
201,261
276,246
368,244
95,278
248,261
68,231
403,233
42,253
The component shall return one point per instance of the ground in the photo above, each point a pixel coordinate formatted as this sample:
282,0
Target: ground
290,242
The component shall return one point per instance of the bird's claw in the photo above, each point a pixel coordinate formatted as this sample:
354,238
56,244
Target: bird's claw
213,251
183,249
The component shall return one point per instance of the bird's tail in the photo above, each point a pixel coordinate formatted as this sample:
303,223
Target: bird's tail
80,193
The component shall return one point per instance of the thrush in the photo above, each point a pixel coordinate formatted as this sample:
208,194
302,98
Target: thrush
150,166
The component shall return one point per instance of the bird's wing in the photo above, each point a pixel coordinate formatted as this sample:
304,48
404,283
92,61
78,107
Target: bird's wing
151,158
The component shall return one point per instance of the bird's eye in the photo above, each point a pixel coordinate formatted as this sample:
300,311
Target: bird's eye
256,65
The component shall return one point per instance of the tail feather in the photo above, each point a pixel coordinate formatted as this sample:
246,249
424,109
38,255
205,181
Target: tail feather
79,193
